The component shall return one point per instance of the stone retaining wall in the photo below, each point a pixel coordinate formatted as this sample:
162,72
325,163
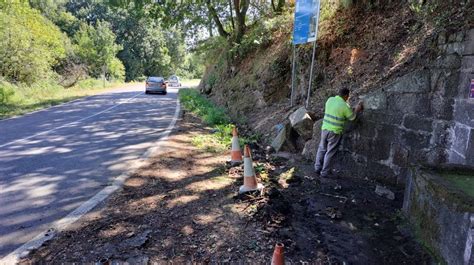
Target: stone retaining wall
443,216
424,117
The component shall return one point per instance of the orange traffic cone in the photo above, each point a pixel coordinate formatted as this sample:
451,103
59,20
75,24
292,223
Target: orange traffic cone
278,258
236,154
250,180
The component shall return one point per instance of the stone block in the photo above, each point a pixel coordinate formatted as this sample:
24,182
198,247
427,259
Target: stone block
283,141
452,37
450,61
442,38
467,64
442,214
380,149
380,172
464,112
383,117
444,82
441,137
455,158
366,128
456,47
417,123
416,82
469,43
309,150
409,103
442,107
302,123
375,101
400,155
317,130
460,139
416,140
464,84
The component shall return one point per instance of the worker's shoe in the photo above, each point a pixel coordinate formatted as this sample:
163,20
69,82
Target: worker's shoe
326,174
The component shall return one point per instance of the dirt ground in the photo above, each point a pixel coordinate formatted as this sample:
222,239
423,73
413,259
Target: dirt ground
183,207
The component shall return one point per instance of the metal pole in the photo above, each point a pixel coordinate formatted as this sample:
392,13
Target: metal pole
310,76
293,76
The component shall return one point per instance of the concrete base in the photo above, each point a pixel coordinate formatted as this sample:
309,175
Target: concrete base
244,189
442,213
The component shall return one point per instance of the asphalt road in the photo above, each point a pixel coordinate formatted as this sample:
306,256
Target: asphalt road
54,160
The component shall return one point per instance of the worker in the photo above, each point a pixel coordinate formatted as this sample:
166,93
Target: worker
337,112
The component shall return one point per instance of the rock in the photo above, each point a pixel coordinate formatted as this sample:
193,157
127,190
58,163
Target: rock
207,89
136,241
302,123
282,141
415,82
375,101
384,192
309,150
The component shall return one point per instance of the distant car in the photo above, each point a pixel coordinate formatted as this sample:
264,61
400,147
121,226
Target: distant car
156,84
174,81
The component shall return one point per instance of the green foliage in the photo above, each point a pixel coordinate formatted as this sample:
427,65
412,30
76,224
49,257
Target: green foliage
261,35
30,45
96,46
195,102
7,90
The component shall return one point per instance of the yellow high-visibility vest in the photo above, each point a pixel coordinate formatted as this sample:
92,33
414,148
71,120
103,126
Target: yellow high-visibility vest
336,113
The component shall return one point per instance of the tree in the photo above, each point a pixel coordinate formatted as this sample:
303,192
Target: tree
30,45
96,46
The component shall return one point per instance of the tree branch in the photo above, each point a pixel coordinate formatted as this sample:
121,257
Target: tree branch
215,17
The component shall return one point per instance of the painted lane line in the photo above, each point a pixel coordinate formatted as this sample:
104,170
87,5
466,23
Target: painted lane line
69,124
112,91
60,225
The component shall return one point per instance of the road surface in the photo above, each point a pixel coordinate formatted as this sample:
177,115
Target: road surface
54,160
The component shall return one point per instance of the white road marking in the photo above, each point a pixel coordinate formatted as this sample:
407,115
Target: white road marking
15,256
71,123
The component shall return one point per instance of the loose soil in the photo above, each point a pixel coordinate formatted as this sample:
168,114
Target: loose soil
183,207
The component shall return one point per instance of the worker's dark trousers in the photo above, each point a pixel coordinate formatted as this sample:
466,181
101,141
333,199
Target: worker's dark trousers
326,150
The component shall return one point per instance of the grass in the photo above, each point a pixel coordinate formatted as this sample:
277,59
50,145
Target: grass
190,82
213,116
462,182
20,99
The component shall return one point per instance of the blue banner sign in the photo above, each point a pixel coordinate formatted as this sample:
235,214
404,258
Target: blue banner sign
306,21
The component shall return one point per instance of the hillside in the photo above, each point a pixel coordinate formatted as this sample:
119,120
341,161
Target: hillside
364,49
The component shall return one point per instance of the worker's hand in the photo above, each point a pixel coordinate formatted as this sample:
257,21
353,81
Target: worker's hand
359,107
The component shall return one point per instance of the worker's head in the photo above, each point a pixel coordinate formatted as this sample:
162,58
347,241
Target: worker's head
344,93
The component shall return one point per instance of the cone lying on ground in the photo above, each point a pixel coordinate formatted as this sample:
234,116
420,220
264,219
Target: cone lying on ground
236,154
250,180
278,258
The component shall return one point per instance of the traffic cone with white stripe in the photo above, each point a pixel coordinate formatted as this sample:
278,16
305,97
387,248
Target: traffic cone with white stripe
236,154
250,180
278,258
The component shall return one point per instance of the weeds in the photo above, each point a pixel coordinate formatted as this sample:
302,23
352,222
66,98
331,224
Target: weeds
214,116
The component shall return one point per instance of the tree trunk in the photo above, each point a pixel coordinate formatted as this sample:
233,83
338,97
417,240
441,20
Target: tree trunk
231,15
279,8
215,17
241,7
210,27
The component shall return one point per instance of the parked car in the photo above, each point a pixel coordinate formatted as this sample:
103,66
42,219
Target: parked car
156,84
174,81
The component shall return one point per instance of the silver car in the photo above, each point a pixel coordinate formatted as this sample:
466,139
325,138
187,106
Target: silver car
174,81
156,84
